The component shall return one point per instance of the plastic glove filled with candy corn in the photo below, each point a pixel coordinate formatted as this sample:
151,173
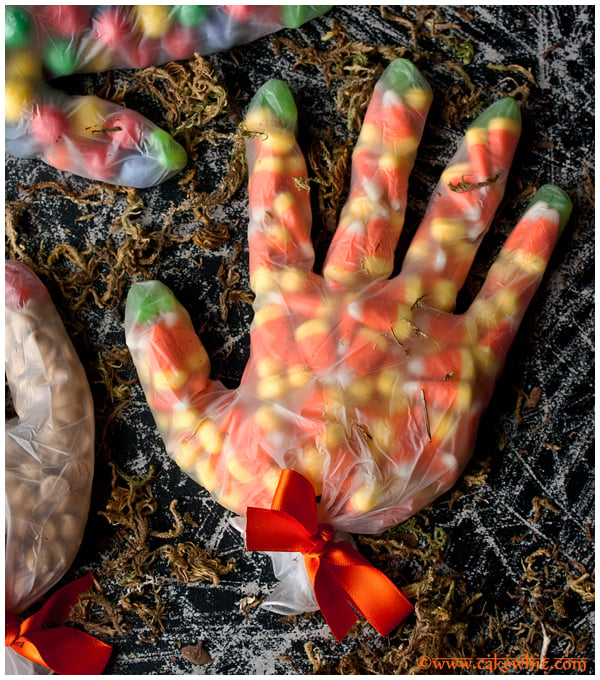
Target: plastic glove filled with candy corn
94,138
49,466
363,393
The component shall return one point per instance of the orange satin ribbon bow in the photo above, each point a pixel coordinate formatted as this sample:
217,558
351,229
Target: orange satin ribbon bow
64,650
343,580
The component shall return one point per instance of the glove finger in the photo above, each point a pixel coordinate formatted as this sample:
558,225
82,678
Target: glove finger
461,209
515,276
279,208
206,428
83,135
172,365
49,446
87,136
372,219
43,371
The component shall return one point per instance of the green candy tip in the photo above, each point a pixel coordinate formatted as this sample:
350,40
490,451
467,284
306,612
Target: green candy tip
555,198
402,75
275,96
168,153
503,108
190,15
147,300
60,57
293,16
18,27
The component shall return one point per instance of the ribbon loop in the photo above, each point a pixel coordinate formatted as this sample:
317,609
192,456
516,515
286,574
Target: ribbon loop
342,579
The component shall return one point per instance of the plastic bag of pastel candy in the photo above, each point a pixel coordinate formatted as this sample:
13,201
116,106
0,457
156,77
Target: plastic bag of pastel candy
92,38
98,139
49,467
363,392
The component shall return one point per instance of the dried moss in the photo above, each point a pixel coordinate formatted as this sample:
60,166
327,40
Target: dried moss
112,363
549,587
452,621
519,89
96,273
465,185
344,58
229,277
194,102
130,567
190,95
330,165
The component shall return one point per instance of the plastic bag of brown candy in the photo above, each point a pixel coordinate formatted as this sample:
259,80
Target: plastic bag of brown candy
49,467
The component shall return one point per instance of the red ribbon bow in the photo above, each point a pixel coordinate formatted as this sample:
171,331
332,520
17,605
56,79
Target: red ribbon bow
64,650
343,580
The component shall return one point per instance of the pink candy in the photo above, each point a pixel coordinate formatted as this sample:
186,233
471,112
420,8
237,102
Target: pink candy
48,123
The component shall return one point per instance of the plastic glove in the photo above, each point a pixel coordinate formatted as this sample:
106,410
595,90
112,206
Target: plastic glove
370,387
49,449
87,135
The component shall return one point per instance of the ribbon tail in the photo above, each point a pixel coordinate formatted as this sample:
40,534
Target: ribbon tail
66,651
332,600
374,596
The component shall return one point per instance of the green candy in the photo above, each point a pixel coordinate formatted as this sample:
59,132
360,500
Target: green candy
148,300
190,15
167,152
556,199
402,75
294,16
503,108
275,96
60,57
18,27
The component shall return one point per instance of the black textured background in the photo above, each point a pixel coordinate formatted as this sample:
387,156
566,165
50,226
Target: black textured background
547,452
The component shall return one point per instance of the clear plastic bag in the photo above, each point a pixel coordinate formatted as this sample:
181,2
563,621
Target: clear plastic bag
368,386
49,448
98,139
